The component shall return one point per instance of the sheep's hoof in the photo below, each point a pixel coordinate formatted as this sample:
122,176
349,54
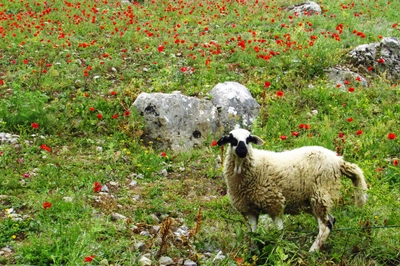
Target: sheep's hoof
331,221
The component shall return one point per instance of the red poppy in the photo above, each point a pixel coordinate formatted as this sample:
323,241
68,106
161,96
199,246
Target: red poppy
113,93
92,109
349,119
351,89
280,93
163,154
359,132
267,84
161,48
99,116
45,147
395,162
341,135
283,137
214,143
381,60
96,187
88,259
1,82
115,116
370,68
46,205
391,136
35,125
295,134
127,113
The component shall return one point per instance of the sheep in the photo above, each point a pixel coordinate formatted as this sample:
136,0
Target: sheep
305,179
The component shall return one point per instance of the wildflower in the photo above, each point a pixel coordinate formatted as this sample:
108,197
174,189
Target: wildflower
163,154
45,147
161,48
395,162
341,135
346,82
113,93
279,93
295,134
92,109
47,205
391,136
97,187
115,116
100,116
1,82
267,84
283,137
370,68
26,175
88,259
214,143
127,113
351,89
358,78
35,125
349,119
359,132
381,60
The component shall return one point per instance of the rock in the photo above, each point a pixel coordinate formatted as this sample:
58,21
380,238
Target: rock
8,138
235,104
104,188
176,121
219,256
144,260
383,57
117,217
140,246
166,261
133,183
163,172
189,263
339,75
308,8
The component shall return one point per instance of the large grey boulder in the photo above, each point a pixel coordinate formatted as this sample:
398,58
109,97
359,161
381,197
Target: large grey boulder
176,121
235,104
308,8
338,75
383,57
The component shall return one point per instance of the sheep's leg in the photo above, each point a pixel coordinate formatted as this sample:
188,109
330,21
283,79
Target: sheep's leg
253,220
323,234
278,222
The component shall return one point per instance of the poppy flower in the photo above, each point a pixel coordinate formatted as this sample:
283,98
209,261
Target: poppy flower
35,125
381,60
395,162
351,89
295,134
341,135
391,136
115,116
283,137
88,259
359,132
100,116
92,109
280,93
267,84
349,119
47,205
97,187
45,147
127,113
163,154
214,143
161,48
113,93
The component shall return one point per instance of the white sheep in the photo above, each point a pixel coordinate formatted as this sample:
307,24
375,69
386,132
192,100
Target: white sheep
305,179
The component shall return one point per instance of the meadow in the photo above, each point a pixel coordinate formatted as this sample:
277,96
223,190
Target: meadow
70,72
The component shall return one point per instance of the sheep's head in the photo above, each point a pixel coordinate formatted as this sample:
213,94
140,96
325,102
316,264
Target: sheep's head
240,140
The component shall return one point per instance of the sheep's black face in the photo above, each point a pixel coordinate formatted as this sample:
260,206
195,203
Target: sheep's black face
239,140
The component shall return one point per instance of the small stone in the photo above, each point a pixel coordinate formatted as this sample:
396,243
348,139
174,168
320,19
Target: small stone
104,188
10,210
189,263
155,218
166,261
163,172
136,197
144,260
67,199
117,217
114,184
154,229
219,256
133,183
140,246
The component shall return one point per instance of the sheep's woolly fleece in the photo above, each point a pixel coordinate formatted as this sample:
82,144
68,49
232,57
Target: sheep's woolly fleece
305,179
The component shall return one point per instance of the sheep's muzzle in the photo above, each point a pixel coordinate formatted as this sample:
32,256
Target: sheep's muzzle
241,149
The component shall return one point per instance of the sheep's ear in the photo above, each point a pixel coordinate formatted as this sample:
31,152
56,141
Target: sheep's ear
224,140
256,140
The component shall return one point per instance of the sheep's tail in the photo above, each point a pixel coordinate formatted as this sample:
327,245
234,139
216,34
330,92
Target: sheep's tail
356,175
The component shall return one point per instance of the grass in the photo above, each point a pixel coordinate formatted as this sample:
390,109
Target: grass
70,71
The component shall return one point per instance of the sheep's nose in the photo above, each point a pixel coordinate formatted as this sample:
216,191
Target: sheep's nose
241,149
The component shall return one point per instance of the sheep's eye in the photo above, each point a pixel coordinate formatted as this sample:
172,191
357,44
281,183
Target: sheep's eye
232,140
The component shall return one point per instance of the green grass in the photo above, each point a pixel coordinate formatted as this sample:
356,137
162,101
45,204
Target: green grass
75,68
